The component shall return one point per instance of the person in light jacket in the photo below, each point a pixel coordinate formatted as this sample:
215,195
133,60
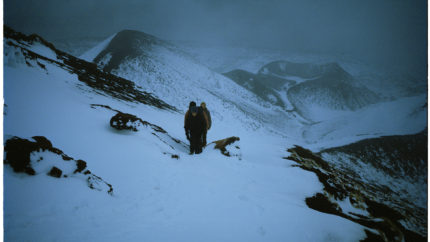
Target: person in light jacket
207,116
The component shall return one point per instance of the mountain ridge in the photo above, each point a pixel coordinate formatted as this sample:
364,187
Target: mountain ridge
86,72
324,85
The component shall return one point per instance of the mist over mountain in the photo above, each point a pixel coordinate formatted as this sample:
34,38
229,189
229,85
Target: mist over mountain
388,34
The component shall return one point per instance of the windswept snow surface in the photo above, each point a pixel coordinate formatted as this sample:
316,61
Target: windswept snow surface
206,197
400,117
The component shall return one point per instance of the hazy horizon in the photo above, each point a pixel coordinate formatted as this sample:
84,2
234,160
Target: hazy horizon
381,32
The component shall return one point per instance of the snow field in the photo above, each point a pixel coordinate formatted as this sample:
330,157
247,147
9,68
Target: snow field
207,197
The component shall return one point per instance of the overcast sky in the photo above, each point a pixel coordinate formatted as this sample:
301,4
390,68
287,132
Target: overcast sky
378,29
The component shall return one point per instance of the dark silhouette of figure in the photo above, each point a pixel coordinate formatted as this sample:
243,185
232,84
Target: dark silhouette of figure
207,116
195,124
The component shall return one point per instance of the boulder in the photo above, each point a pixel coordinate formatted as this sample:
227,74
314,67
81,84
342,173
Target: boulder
55,172
223,144
125,121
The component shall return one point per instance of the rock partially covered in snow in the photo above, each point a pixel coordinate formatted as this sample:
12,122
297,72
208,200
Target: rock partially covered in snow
125,121
352,198
38,156
224,145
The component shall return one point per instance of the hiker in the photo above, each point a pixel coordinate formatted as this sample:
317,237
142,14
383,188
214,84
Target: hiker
195,124
208,120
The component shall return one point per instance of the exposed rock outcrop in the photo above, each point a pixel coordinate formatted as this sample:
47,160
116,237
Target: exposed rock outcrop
129,122
102,82
28,156
125,121
381,209
224,145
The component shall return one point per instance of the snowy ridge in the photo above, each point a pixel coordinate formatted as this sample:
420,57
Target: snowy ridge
317,86
24,49
164,70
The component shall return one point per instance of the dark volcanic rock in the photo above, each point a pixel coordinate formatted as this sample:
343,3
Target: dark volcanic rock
55,172
395,218
222,145
18,156
125,121
399,155
43,142
102,82
321,203
81,165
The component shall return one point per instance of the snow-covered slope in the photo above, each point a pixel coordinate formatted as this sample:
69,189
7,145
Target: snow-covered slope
390,83
306,87
166,71
269,88
159,192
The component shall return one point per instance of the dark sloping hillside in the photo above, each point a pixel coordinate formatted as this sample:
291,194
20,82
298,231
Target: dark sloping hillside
326,86
263,85
331,91
127,44
391,170
100,81
399,156
385,178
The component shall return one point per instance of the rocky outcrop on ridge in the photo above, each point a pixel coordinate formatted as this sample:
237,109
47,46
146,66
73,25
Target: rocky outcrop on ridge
102,82
39,157
382,198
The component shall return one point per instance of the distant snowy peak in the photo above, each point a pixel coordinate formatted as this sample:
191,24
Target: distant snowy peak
163,69
331,93
331,88
125,45
310,89
267,87
306,87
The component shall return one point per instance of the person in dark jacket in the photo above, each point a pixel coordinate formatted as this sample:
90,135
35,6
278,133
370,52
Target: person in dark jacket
208,120
195,124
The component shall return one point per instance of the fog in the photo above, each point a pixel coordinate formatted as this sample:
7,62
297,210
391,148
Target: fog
384,32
